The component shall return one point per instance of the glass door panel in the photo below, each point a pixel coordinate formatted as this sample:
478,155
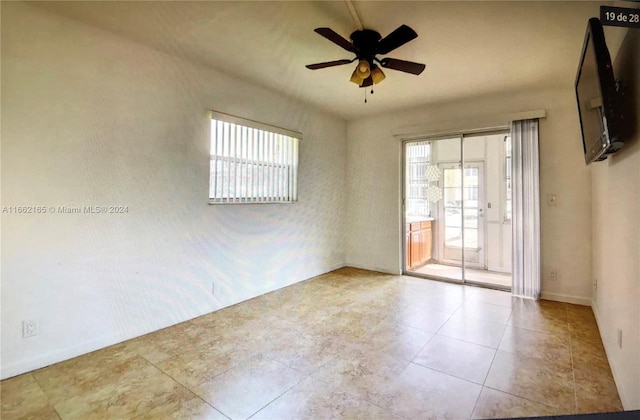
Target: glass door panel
457,216
486,198
473,214
433,207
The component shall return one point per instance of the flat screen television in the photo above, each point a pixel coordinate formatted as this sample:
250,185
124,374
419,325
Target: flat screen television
598,97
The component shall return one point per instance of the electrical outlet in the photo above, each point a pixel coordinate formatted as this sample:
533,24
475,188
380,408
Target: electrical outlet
619,338
553,275
30,328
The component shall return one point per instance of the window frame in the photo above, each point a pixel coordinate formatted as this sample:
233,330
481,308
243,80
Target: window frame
260,161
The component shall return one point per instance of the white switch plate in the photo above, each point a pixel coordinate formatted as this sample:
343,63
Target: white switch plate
30,328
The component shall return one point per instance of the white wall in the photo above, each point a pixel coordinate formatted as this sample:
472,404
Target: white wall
91,119
373,174
616,238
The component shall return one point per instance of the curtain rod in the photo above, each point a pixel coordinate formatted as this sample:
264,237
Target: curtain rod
471,126
442,134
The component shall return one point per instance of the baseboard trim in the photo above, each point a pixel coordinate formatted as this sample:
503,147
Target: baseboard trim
558,297
626,401
60,355
372,268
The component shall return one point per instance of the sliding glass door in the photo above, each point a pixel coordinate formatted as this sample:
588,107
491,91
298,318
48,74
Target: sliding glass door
425,217
456,202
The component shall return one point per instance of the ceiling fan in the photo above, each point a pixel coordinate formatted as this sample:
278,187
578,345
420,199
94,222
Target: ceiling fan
366,45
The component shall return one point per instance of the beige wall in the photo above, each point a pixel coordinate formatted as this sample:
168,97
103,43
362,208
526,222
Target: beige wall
616,237
89,118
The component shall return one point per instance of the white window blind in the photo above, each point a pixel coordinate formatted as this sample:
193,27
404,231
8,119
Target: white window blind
252,162
418,157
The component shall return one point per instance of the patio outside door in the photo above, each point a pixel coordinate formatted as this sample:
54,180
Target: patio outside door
463,188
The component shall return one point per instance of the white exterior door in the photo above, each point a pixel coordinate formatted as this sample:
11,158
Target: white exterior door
463,209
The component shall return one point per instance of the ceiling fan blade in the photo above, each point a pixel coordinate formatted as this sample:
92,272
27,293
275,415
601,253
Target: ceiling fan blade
332,36
401,65
327,64
395,39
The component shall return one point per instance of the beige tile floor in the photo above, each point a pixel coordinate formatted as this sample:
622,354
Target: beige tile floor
349,344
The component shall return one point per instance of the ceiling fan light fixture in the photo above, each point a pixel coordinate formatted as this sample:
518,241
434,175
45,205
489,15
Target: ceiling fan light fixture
377,75
364,69
355,78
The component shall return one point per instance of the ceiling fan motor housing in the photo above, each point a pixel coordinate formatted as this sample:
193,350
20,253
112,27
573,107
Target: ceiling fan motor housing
365,42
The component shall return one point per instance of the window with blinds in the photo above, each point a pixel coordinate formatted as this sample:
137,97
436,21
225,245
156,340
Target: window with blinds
418,155
252,162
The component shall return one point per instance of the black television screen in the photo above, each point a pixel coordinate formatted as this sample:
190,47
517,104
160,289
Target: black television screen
597,97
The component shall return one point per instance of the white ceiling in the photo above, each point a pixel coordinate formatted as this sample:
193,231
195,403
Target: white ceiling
470,48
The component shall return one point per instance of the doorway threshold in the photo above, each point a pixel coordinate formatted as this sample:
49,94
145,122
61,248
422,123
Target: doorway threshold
484,278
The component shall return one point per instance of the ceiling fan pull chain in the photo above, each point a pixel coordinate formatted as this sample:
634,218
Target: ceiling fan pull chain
365,96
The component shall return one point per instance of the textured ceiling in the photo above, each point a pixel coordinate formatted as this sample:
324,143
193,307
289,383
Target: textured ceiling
470,48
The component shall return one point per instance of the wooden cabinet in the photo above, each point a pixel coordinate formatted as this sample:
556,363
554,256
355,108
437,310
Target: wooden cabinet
417,253
425,249
419,244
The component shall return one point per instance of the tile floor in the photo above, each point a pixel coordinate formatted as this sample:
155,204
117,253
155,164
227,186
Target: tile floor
349,344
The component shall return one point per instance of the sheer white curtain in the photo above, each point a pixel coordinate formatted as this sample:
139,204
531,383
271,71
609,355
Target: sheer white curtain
526,208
